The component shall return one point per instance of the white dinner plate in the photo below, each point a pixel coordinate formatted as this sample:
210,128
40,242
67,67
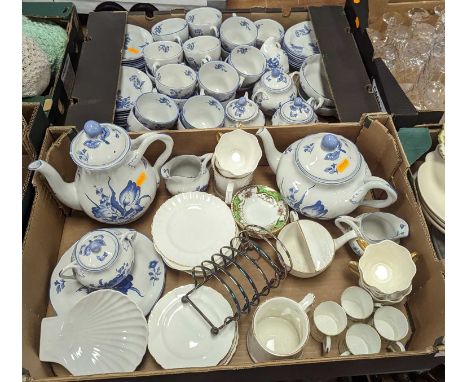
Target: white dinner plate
144,286
300,40
190,227
180,337
431,183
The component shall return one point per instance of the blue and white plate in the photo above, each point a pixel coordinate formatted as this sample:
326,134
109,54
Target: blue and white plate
136,38
299,43
144,286
132,83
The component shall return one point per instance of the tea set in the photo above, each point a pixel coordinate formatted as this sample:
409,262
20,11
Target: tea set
204,55
117,275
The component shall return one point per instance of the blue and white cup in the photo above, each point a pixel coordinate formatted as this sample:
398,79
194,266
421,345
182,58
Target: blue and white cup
249,62
218,80
201,112
156,111
161,53
237,31
175,29
202,49
176,80
204,21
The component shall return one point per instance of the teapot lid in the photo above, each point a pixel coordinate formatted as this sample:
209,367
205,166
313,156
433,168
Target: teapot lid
276,80
297,111
328,158
241,109
99,146
97,250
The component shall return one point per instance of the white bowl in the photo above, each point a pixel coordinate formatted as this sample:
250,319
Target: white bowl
133,124
237,153
201,49
161,53
237,31
268,28
176,80
219,80
156,111
202,112
204,21
249,62
314,81
175,29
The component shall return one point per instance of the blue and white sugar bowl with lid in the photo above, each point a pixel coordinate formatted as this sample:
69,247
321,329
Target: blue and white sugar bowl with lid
296,112
243,112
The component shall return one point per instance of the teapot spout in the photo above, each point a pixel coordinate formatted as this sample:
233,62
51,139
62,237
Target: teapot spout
272,154
65,192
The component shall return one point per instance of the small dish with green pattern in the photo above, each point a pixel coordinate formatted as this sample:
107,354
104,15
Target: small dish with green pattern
261,206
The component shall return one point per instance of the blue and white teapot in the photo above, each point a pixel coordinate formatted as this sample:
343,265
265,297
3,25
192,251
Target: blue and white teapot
324,175
114,183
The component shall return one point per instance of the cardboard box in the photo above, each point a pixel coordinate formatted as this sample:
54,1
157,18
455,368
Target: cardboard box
53,229
34,127
58,95
386,88
96,85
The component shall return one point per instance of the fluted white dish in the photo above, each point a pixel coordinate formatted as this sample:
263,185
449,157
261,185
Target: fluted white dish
143,286
180,337
190,227
105,332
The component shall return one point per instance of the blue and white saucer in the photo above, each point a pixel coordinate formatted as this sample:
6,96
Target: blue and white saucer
144,286
300,42
132,83
136,38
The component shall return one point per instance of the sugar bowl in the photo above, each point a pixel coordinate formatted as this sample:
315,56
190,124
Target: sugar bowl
101,258
296,111
243,112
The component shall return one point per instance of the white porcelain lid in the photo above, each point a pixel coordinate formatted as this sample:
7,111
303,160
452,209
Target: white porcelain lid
99,145
297,111
327,158
276,80
97,250
241,109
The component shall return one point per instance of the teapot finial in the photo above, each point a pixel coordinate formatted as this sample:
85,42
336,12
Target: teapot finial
242,101
298,101
92,128
329,142
275,72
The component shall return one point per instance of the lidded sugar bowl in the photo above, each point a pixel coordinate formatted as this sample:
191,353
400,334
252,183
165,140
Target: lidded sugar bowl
274,88
114,183
243,112
296,112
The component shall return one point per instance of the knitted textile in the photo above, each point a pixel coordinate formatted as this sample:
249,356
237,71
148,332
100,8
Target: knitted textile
36,69
50,37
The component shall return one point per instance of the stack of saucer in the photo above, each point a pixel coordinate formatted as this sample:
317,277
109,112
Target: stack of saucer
132,83
136,38
299,43
180,337
430,185
190,227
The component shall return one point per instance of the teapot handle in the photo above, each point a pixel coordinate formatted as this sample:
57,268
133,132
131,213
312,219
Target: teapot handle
73,265
374,182
205,159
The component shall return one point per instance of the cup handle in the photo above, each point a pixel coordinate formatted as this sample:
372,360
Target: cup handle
293,75
154,68
341,221
73,265
202,91
316,103
326,345
354,267
241,81
345,354
205,60
374,182
205,159
229,192
396,347
307,302
215,30
178,40
129,236
378,305
293,216
260,94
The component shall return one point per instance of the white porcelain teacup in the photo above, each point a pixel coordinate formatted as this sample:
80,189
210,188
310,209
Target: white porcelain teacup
249,62
280,329
201,49
202,112
226,187
329,320
176,80
357,303
156,111
360,339
219,80
392,325
175,29
204,21
161,53
133,124
237,31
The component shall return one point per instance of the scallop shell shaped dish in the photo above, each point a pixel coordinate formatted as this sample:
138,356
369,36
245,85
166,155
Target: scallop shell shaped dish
105,332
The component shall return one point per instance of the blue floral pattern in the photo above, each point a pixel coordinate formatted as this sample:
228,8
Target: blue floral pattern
331,169
83,155
289,149
335,154
273,63
93,245
308,148
122,102
165,101
239,109
214,103
191,18
317,209
304,31
125,208
202,188
243,50
96,142
190,45
154,273
137,83
244,24
157,29
59,285
220,67
163,48
189,73
295,110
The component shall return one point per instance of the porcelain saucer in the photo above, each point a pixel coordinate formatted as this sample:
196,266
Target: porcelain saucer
144,286
260,205
180,337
